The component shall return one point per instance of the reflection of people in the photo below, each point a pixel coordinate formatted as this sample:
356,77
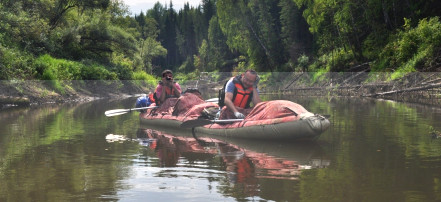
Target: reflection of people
240,91
167,87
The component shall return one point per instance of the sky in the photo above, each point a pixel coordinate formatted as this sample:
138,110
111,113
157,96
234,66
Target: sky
136,6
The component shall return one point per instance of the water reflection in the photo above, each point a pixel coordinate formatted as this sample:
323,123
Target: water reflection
245,164
374,151
257,159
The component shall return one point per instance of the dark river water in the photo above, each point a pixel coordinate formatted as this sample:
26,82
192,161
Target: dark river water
374,151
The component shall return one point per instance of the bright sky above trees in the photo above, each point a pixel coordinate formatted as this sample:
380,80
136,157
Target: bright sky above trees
136,6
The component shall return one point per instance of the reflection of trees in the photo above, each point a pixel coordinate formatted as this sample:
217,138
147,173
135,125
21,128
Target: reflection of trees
382,152
52,153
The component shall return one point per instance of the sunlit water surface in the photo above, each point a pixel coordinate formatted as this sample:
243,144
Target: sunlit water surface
374,151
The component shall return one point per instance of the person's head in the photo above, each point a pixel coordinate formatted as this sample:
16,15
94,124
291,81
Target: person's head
168,74
248,78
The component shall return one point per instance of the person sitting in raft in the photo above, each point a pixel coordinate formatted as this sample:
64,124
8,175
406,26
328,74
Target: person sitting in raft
240,91
167,88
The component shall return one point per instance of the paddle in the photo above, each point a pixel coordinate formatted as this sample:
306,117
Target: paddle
203,122
215,100
116,112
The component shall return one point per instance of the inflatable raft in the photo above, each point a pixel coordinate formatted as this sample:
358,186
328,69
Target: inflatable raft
270,120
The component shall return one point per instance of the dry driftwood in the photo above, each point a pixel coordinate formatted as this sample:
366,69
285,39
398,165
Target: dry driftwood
429,86
431,81
294,80
14,100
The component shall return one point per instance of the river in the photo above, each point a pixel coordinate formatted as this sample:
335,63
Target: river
375,150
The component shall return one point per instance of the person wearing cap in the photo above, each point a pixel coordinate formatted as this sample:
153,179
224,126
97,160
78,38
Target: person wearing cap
240,91
167,87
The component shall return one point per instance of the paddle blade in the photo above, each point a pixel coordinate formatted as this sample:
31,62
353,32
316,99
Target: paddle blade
195,123
214,100
116,112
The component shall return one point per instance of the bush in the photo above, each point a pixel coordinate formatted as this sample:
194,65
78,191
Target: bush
339,60
142,76
50,68
302,62
15,64
413,48
335,61
97,72
123,70
183,77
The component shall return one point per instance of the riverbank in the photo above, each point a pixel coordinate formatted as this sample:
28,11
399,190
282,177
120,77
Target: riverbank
424,88
418,87
35,92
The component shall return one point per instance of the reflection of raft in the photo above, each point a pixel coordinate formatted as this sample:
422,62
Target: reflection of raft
265,159
274,120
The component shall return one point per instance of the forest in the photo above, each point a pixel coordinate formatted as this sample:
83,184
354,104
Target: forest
102,40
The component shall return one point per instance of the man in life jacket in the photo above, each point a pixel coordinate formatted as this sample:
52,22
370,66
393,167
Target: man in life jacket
240,91
167,87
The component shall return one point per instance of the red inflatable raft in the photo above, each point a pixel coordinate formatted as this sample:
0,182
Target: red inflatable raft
273,120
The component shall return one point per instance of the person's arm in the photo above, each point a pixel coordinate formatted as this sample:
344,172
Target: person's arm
158,92
230,105
163,94
229,102
177,89
228,99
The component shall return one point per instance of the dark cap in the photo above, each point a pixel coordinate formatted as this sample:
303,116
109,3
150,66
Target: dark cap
166,71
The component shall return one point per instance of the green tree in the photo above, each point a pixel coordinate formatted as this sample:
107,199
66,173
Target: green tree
150,49
251,29
218,49
63,6
296,38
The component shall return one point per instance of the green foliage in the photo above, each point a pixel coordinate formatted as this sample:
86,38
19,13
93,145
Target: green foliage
268,79
243,65
187,66
148,78
57,69
221,36
340,60
183,77
201,61
319,75
373,45
218,50
15,64
23,28
413,49
150,49
335,61
123,70
50,68
97,72
303,62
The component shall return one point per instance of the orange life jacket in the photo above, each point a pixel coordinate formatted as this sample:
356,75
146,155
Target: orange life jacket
169,92
152,97
241,97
